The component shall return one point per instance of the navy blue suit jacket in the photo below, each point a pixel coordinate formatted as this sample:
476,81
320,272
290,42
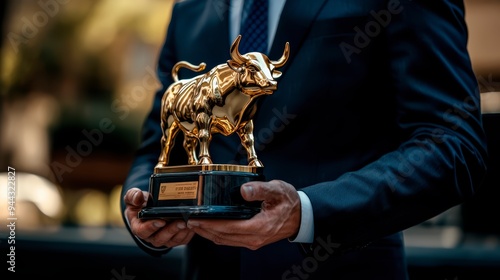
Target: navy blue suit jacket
376,118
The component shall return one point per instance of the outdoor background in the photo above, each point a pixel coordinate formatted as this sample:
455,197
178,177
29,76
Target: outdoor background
76,80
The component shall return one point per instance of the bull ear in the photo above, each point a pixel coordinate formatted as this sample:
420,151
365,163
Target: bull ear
234,65
276,74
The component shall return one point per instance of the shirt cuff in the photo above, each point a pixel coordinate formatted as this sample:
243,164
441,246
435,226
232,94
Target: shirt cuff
306,230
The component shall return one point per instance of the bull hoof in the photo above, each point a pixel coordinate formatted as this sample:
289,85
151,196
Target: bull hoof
256,163
205,160
160,165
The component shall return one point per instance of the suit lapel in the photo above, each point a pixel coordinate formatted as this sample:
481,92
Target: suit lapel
214,28
295,22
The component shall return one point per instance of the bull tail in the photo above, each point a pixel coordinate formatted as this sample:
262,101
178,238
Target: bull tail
185,64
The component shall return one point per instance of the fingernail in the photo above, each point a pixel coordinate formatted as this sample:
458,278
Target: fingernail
191,224
248,190
159,224
135,195
181,225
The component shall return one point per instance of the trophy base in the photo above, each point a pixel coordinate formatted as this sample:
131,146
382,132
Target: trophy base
201,191
198,212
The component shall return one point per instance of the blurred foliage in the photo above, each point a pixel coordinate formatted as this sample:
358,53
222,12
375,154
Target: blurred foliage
66,66
50,45
79,52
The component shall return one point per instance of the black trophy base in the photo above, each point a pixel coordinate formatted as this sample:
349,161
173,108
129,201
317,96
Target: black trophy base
199,212
201,191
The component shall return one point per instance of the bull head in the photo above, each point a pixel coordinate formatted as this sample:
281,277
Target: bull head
256,71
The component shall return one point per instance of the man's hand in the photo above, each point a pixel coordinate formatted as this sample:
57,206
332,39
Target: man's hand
157,232
279,218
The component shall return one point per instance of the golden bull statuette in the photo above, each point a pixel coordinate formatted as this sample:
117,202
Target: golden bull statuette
222,100
219,101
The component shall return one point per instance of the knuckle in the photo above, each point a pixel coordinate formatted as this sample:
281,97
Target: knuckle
155,242
254,245
217,239
139,234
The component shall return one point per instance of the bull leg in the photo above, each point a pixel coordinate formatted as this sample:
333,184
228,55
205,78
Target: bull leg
190,144
203,122
167,142
248,142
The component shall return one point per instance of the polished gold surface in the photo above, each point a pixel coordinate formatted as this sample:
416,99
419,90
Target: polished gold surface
222,100
209,167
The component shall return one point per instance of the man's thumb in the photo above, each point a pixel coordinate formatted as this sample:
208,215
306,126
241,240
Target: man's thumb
247,192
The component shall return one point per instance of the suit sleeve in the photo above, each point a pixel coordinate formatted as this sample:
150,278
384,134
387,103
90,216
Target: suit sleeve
440,161
146,156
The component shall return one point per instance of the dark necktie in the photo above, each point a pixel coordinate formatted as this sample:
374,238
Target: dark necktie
254,26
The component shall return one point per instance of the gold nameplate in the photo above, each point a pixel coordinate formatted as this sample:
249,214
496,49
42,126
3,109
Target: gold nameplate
178,190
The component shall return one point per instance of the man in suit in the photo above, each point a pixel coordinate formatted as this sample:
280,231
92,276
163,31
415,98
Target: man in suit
375,127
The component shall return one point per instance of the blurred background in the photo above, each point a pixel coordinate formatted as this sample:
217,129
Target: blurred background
76,80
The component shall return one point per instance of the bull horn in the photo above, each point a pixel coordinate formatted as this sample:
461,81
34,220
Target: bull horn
235,53
279,63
